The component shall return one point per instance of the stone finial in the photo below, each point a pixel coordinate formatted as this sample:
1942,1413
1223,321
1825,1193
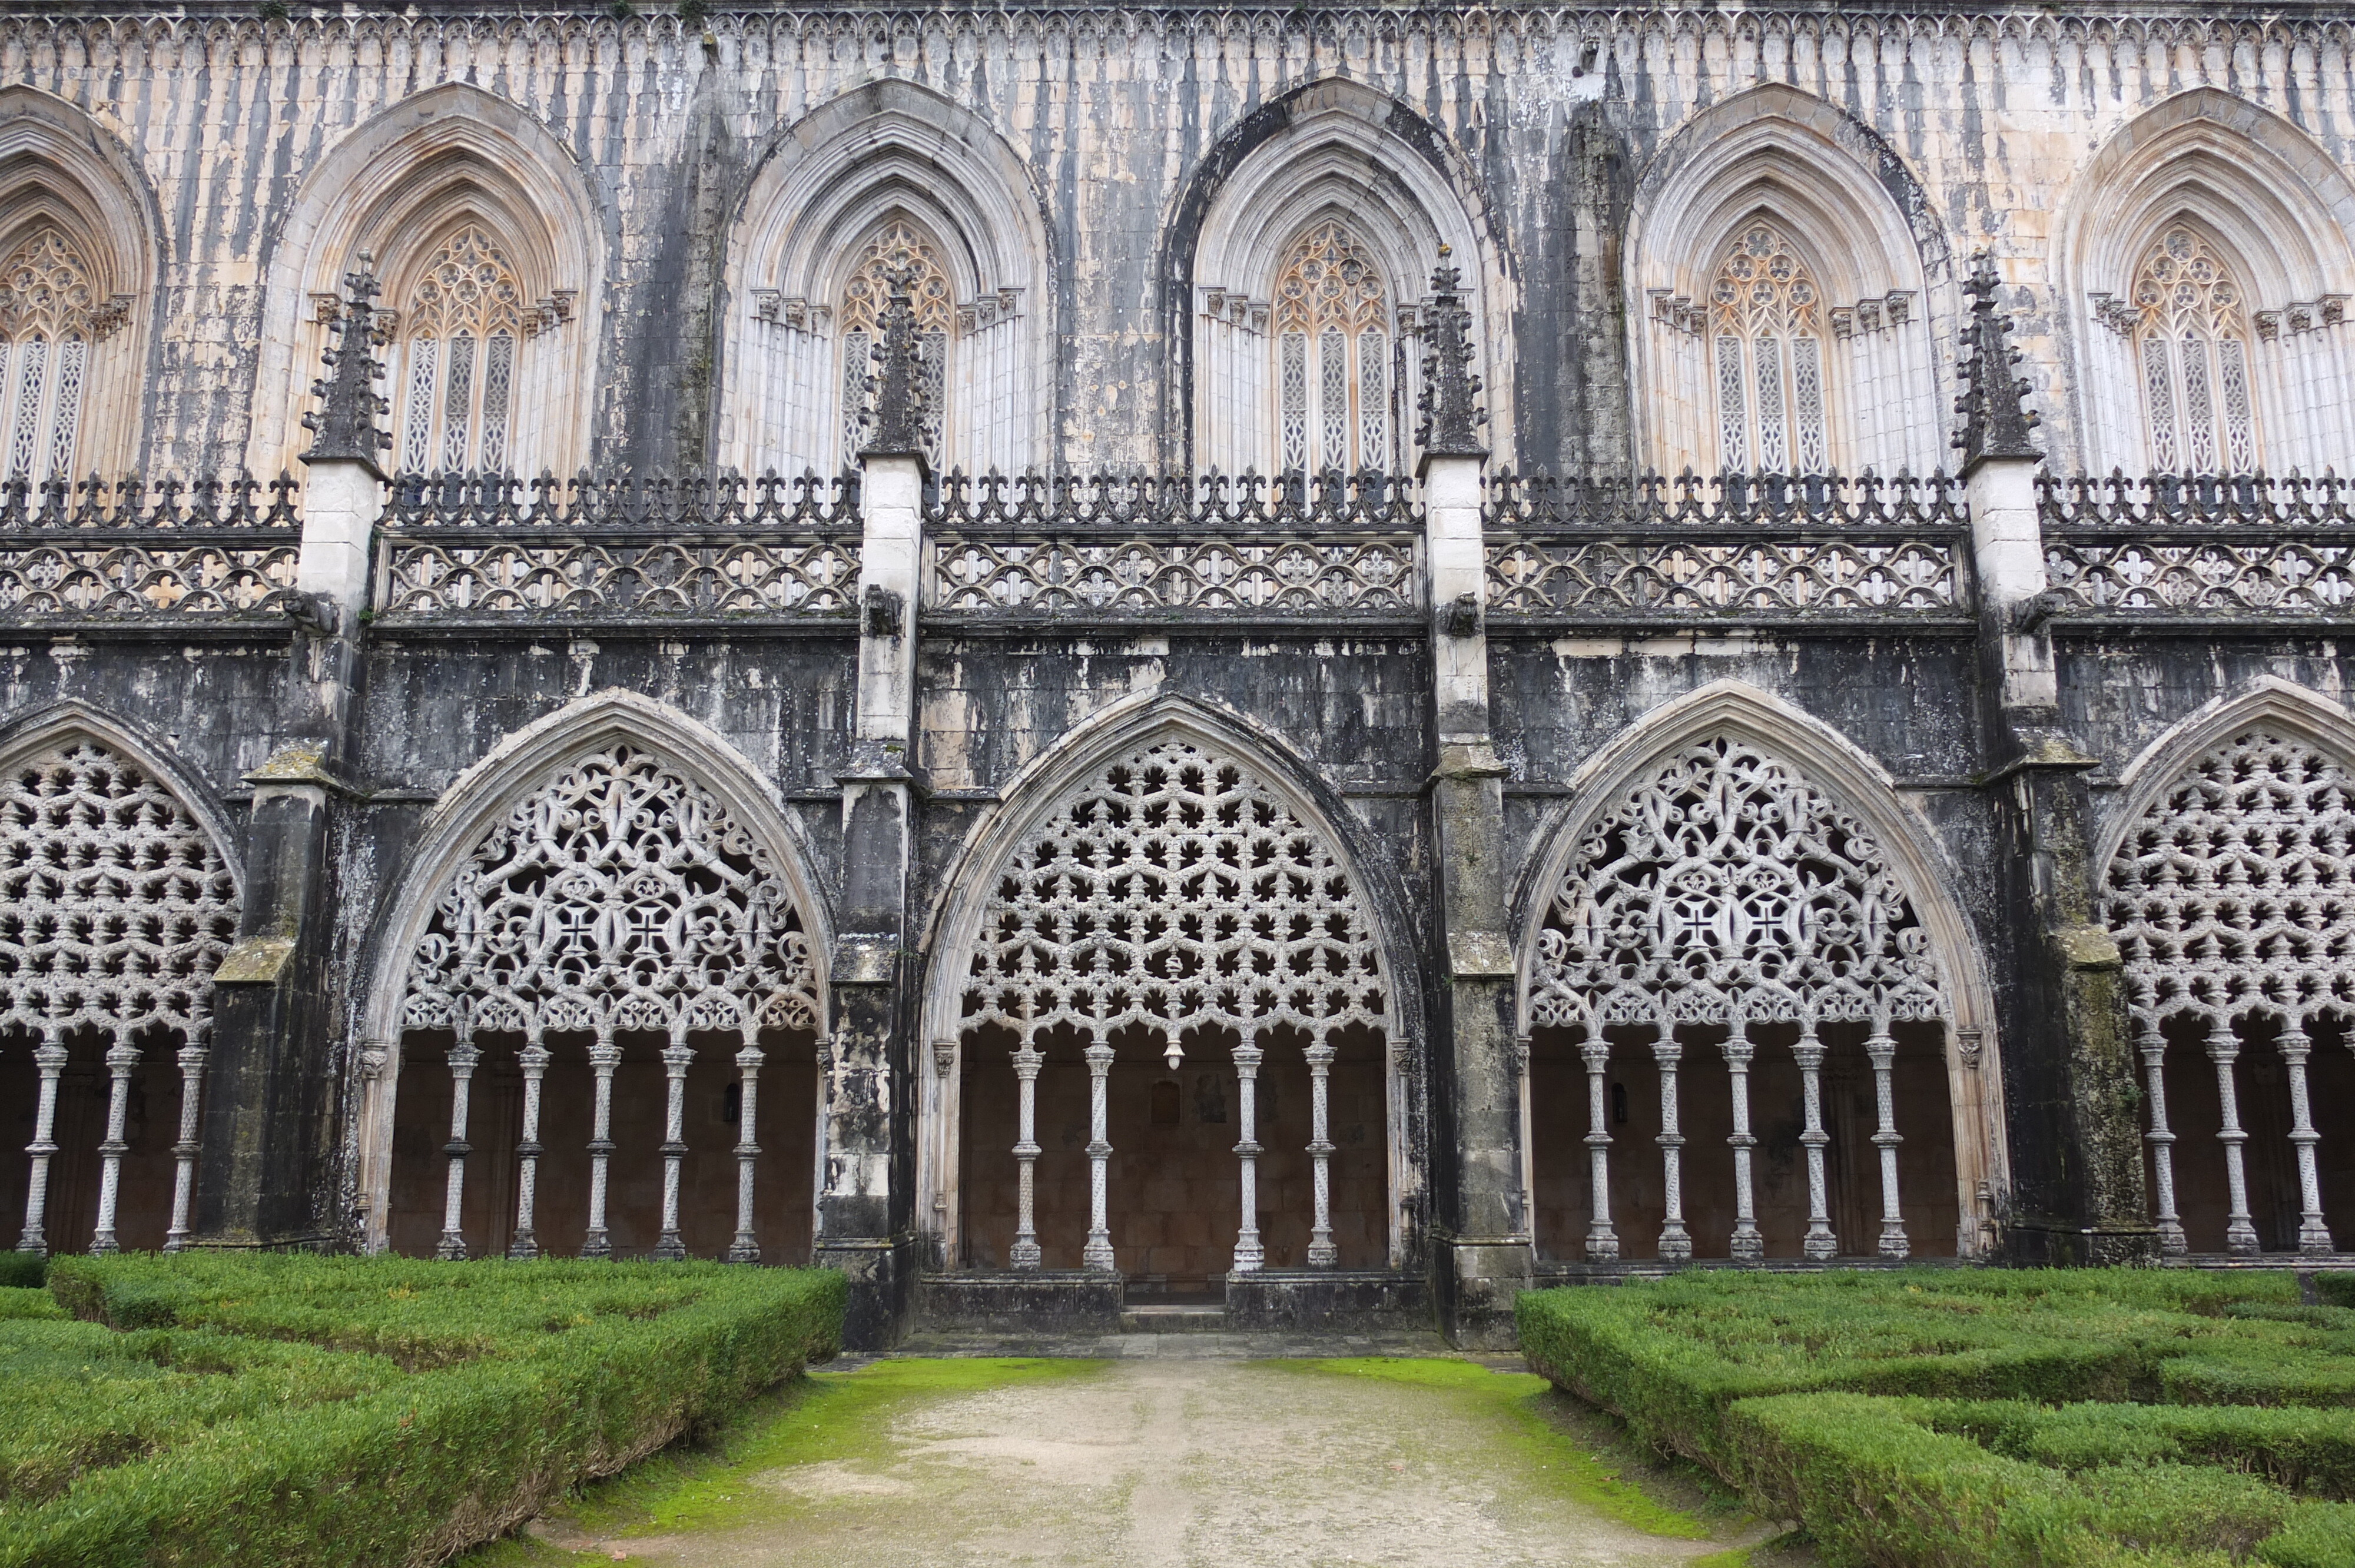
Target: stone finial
345,426
1996,420
896,426
1449,404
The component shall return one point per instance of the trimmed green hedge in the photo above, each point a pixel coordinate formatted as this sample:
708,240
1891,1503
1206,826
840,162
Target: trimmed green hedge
2006,1418
296,1410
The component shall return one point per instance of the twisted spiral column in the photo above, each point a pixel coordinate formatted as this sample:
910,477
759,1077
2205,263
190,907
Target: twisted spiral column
452,1247
533,1058
746,1246
122,1061
1821,1241
1676,1242
1748,1246
191,1060
2161,1139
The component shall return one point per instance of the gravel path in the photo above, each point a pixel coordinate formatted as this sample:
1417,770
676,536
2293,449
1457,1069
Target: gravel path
1151,1462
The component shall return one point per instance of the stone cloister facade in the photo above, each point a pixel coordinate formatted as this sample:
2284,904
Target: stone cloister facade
1063,655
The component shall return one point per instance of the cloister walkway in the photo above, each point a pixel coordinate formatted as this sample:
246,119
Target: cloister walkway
1148,1450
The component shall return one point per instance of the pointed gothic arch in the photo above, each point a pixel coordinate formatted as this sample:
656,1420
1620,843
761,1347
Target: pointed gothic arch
1330,158
1224,869
81,262
119,895
616,872
451,170
1850,375
2228,882
2239,191
1731,864
887,159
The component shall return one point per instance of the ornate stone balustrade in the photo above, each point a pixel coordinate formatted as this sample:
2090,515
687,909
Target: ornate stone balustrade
467,549
131,551
1729,547
2198,547
1074,546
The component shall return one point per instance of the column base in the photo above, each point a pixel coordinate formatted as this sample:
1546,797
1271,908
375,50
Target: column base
1478,1280
882,1273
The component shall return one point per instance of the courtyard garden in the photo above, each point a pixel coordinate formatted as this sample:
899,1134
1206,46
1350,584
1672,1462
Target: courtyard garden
1958,1418
295,1410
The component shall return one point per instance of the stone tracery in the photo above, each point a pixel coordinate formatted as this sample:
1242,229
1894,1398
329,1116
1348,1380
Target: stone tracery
50,316
620,896
2192,337
115,908
1726,890
1174,890
2233,897
898,245
461,332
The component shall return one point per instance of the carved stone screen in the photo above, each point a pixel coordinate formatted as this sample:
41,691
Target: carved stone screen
622,897
115,908
2234,906
1175,899
1725,895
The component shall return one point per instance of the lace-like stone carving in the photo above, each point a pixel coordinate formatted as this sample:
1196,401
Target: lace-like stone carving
1173,890
1728,888
466,304
2193,333
48,315
2232,898
1329,291
1764,307
115,906
621,895
899,244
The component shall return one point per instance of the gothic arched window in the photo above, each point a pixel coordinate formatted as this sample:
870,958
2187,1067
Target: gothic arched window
460,332
1332,355
1766,359
2191,344
49,319
898,245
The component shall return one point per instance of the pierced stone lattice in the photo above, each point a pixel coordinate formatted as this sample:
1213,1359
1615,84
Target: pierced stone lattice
1727,890
1329,291
48,314
899,244
2233,899
1172,891
1765,316
115,908
461,328
1701,576
621,895
2192,334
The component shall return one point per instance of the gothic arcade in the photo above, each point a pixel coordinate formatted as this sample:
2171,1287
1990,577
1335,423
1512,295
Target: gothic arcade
1342,658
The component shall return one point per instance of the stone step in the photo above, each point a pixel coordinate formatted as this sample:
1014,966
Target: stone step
1207,1318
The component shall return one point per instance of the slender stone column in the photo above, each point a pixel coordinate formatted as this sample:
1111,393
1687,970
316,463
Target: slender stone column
1748,1246
668,1247
1602,1241
122,1061
50,1057
1821,1243
1026,1060
604,1057
1883,1052
525,1246
184,1152
2225,1049
2312,1231
1322,1254
1676,1242
1250,1254
2161,1136
746,1247
1097,1254
463,1057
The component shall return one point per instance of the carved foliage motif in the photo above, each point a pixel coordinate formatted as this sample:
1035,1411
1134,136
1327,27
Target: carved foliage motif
1171,890
115,905
1726,887
2233,894
621,895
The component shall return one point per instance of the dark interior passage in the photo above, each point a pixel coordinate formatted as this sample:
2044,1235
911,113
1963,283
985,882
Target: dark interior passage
151,1127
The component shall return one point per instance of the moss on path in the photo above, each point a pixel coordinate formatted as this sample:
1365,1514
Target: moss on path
927,1463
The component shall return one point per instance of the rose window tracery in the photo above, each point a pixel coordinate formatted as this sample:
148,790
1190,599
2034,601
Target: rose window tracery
620,895
50,316
1766,337
1333,355
2192,336
460,332
900,245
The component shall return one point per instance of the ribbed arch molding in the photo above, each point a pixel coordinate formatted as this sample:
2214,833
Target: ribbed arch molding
887,154
1798,167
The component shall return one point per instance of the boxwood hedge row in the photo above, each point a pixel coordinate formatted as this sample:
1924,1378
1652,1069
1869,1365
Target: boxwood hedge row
2005,1418
295,1410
